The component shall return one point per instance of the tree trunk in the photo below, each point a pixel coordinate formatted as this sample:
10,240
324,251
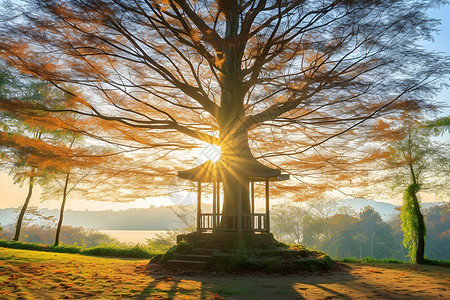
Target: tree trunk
371,238
233,132
420,253
421,230
235,183
61,213
23,210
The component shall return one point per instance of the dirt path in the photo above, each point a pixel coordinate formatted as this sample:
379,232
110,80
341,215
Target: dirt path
40,275
353,281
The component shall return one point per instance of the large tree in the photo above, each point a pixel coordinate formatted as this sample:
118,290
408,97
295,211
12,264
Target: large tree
299,84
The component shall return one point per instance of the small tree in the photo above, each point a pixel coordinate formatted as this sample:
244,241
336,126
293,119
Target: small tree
38,148
321,226
288,221
17,137
419,163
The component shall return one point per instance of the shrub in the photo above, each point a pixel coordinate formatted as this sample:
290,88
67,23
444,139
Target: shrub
115,251
351,260
64,249
384,260
433,262
22,245
122,251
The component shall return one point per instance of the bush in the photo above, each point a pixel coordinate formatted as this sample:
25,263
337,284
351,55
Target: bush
384,260
434,262
24,246
351,260
122,251
115,251
64,249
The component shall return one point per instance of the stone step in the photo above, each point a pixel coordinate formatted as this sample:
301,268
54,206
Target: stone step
186,265
202,251
212,246
195,257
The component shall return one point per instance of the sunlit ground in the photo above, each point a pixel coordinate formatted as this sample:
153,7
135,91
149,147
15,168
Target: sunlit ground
41,275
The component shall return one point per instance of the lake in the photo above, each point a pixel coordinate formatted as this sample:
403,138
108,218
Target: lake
133,236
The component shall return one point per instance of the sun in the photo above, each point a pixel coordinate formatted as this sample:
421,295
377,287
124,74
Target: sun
211,152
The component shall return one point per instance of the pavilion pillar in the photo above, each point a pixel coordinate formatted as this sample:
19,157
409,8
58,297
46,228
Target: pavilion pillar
252,195
252,204
214,204
239,210
267,206
218,203
199,206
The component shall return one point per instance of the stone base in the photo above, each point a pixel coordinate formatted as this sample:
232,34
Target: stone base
229,240
233,252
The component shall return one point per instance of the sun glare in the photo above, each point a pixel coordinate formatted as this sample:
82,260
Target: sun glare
211,152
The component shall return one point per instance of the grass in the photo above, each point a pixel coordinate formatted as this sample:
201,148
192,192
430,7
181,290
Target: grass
123,251
371,260
33,274
432,262
26,274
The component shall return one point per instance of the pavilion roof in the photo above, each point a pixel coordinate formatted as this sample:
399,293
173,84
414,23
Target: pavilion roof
248,167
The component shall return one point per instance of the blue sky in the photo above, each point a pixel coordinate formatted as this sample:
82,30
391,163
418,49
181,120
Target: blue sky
442,44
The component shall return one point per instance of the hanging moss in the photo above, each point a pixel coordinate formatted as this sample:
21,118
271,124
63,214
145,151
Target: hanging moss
410,218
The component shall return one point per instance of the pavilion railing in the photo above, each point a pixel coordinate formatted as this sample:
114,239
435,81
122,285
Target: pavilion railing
254,222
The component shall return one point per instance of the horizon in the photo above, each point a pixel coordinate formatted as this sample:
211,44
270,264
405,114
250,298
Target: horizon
430,200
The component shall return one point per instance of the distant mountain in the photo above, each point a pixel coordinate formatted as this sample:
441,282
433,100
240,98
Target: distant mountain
161,218
386,210
154,218
7,216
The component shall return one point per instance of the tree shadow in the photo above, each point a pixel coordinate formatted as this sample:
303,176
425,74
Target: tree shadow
167,287
328,285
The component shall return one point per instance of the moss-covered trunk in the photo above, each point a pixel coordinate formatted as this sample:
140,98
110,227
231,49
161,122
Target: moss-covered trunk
421,231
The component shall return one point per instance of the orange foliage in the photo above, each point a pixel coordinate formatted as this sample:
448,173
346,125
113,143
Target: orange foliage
315,100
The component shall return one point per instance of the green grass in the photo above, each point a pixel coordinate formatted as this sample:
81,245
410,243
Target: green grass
370,260
114,251
433,262
26,274
122,251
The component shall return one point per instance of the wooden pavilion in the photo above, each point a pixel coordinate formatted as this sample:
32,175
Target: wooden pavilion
238,222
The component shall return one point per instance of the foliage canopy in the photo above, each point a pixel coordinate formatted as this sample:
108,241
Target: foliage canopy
301,85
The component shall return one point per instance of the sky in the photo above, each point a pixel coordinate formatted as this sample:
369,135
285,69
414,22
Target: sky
13,195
